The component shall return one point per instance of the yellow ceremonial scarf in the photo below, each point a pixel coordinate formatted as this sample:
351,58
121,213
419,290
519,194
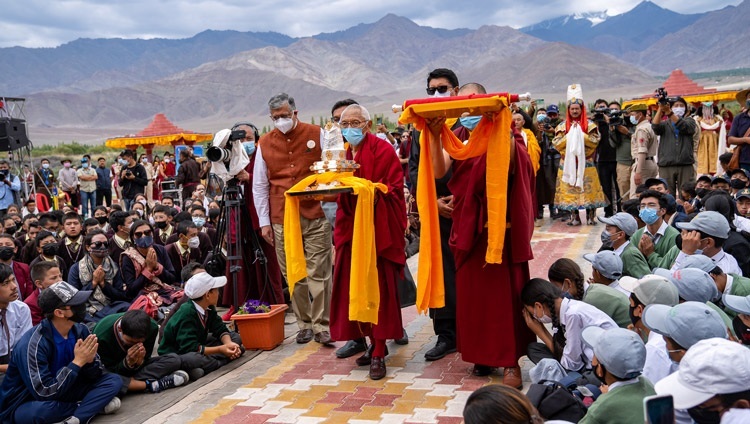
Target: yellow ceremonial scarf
491,137
364,289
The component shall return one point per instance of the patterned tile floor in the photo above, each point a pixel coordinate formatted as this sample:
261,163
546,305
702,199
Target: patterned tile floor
307,384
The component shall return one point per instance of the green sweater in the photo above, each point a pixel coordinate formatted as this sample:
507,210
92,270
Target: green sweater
665,243
185,332
724,317
621,405
112,353
610,301
634,264
740,287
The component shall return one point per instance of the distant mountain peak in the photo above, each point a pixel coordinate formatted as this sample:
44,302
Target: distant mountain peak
594,17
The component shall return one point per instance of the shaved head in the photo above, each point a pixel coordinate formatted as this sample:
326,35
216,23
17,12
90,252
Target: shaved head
471,88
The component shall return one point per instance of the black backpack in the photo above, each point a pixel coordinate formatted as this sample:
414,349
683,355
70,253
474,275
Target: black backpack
555,402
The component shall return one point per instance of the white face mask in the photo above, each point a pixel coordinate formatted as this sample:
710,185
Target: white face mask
194,242
284,124
544,319
439,94
679,111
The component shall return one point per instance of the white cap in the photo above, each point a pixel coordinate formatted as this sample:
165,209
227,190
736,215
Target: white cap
710,367
200,283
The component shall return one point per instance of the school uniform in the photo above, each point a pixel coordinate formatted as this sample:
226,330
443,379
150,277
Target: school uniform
622,404
664,240
610,301
70,251
634,264
181,257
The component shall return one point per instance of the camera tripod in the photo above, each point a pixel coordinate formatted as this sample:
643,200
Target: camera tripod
233,213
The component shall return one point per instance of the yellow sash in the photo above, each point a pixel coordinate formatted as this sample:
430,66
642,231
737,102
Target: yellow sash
491,137
364,291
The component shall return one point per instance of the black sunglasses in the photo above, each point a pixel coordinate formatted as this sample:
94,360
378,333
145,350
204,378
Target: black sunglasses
440,89
99,244
139,234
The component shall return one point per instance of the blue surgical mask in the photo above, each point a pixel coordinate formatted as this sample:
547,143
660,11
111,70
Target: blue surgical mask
470,122
45,165
648,215
123,162
85,165
353,135
541,118
606,239
633,120
679,111
199,221
249,147
144,242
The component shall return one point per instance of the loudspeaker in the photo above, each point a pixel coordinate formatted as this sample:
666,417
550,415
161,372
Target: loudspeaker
13,134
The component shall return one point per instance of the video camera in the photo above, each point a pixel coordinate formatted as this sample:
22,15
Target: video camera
224,154
546,122
663,97
615,116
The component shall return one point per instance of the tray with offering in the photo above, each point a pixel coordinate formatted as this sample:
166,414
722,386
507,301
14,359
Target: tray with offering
322,192
455,107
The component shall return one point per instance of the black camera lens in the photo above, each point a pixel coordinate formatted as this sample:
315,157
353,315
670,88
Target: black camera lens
217,154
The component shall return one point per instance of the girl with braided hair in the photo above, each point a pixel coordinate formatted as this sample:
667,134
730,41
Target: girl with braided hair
566,275
544,304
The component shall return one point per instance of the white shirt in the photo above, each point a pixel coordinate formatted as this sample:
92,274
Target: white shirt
657,365
198,307
261,189
659,233
618,383
19,322
621,249
575,316
741,223
616,285
722,259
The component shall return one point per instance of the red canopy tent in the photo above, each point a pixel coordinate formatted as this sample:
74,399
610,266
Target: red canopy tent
678,84
160,132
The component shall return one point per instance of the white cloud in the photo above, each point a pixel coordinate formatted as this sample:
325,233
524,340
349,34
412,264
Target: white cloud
48,23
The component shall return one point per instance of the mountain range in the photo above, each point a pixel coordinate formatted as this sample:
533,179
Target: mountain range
217,77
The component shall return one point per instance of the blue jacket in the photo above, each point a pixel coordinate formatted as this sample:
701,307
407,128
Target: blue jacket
29,376
103,180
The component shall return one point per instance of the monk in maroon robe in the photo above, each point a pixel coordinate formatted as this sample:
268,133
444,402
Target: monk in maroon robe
255,281
379,163
490,329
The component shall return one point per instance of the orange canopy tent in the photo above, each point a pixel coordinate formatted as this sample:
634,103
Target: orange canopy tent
160,132
678,84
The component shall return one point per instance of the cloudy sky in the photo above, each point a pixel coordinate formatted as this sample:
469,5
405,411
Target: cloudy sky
49,23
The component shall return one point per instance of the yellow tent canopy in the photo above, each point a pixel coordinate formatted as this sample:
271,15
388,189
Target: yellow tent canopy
160,132
696,98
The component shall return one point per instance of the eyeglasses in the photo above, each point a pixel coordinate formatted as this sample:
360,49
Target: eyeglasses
140,234
440,89
335,119
98,244
351,124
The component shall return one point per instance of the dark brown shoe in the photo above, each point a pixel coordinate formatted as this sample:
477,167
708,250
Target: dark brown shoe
481,370
366,359
512,377
324,337
304,336
377,368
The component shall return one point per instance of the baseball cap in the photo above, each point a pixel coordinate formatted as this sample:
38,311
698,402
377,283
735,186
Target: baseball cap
200,283
623,221
745,192
621,351
654,181
652,289
607,262
61,294
711,367
692,283
737,171
739,304
553,109
719,179
710,222
686,323
706,178
699,261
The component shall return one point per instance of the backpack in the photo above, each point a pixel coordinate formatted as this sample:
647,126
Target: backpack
555,402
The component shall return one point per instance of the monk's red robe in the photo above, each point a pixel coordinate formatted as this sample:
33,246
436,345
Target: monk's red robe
489,325
255,281
379,163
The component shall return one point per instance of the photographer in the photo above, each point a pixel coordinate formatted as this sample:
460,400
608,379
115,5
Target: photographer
188,176
132,177
619,138
676,142
10,186
606,164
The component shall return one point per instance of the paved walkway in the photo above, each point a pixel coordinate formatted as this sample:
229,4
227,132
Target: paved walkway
308,384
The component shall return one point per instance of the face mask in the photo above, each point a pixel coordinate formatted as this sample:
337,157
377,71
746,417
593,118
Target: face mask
79,313
6,253
284,124
199,221
140,213
144,160
701,192
541,118
634,120
634,319
66,165
11,230
648,215
194,242
439,94
737,184
100,253
122,162
45,165
160,224
353,135
167,160
703,416
85,166
544,319
606,239
249,147
470,122
49,250
101,220
144,242
679,111
381,136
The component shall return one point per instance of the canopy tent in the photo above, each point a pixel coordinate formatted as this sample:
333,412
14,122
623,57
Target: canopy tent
160,132
678,84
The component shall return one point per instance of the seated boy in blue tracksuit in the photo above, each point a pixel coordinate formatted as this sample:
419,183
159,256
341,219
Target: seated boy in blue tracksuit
55,374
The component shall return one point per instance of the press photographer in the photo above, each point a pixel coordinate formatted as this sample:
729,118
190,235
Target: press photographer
606,164
678,139
620,131
133,178
188,175
10,187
